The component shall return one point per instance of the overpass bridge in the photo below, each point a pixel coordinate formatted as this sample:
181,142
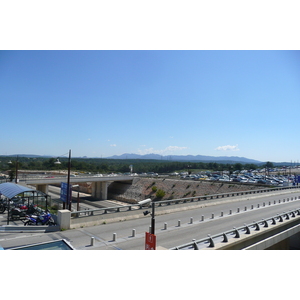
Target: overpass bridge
99,184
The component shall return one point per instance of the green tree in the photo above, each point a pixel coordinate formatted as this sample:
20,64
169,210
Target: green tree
160,193
269,165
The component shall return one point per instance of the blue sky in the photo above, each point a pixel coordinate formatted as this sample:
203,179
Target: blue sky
104,103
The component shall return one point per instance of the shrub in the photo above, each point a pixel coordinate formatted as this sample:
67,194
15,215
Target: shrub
154,188
186,194
160,193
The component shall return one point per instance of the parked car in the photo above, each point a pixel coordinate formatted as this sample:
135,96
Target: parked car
261,181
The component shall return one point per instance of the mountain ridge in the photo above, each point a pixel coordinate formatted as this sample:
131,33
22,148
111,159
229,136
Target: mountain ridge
184,157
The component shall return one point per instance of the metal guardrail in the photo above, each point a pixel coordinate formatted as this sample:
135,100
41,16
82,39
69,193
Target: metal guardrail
210,241
124,208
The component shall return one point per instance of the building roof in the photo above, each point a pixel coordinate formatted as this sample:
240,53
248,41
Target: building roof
10,190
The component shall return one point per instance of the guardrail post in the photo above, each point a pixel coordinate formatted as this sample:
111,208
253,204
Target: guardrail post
238,210
211,242
191,220
178,223
258,205
92,241
237,234
252,206
165,226
114,237
245,208
269,202
230,211
247,229
221,214
133,232
257,226
212,216
273,221
225,238
202,217
265,223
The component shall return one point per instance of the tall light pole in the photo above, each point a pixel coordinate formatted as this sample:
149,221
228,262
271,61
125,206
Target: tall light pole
68,202
17,165
69,197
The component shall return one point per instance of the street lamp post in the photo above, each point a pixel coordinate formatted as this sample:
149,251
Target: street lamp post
153,218
68,202
153,244
17,165
69,197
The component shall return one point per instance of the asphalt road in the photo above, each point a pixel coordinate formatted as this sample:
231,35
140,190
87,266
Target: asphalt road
173,236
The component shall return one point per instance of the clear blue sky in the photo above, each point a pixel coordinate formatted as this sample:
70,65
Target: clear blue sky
104,103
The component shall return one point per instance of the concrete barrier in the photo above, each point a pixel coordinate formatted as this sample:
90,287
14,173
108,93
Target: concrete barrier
64,219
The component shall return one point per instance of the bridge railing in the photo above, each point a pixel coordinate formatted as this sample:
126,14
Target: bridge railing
211,241
124,208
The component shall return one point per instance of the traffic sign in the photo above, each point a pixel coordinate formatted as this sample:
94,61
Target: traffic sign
150,241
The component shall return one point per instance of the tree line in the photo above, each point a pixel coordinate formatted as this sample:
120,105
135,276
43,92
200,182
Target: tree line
102,165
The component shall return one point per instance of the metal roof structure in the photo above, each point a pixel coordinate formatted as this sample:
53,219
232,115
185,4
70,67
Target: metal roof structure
10,190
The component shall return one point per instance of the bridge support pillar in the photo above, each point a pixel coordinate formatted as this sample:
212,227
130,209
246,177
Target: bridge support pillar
99,190
42,188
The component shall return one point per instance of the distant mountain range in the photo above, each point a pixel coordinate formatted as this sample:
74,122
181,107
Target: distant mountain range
194,158
187,158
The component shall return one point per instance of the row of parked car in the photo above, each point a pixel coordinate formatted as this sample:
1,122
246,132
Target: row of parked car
281,180
249,178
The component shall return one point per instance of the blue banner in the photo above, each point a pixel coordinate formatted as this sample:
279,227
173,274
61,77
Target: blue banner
297,179
63,191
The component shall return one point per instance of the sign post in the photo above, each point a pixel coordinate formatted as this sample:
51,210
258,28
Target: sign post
150,241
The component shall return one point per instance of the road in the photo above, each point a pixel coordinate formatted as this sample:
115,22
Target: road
174,235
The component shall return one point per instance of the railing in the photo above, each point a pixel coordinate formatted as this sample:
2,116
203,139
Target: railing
210,241
124,208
